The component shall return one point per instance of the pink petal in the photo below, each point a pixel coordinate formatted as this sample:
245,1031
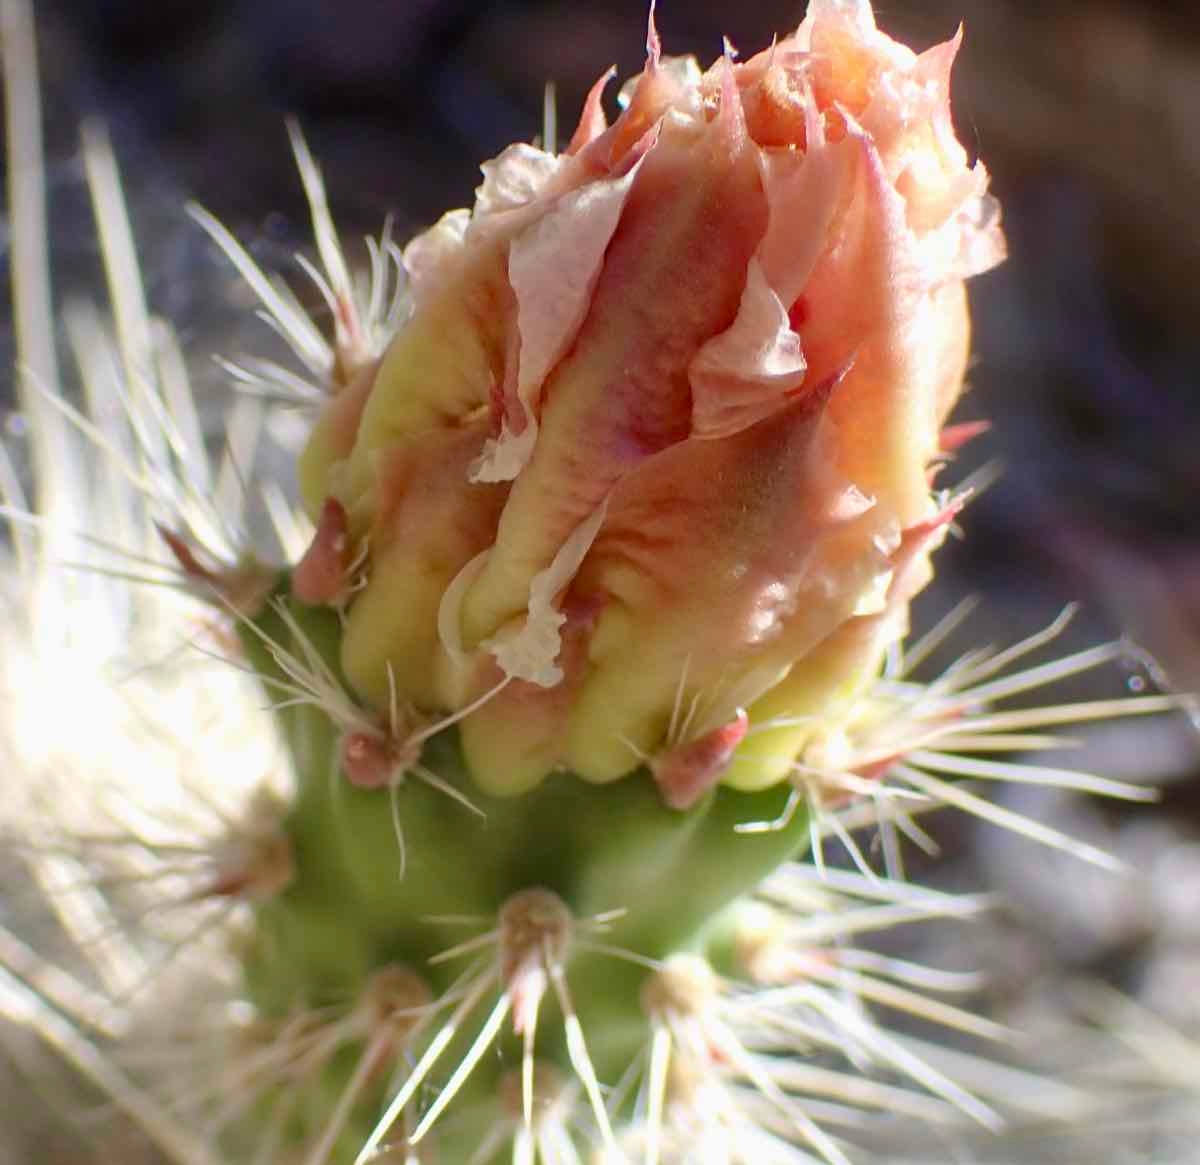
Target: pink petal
721,560
749,370
672,278
910,560
865,306
429,522
530,650
856,15
431,253
553,266
592,122
805,192
513,179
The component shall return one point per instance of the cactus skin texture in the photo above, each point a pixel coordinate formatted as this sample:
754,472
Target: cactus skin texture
620,488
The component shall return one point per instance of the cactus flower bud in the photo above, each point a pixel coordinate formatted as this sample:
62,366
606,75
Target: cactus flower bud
641,481
663,410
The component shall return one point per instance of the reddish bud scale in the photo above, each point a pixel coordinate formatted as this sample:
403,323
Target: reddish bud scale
685,773
320,578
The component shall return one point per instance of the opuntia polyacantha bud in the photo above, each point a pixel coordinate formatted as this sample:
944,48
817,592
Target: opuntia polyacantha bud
642,477
621,488
664,407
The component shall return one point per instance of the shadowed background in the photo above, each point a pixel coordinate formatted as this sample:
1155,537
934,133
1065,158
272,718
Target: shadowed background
1086,344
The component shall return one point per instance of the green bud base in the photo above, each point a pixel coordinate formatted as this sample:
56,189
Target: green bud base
601,848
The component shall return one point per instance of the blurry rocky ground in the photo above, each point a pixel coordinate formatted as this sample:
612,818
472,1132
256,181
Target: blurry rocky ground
1087,347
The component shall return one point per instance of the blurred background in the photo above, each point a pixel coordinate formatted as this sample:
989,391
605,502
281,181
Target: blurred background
1087,344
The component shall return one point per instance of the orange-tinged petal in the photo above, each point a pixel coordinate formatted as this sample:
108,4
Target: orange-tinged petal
672,278
332,438
513,180
865,305
429,256
805,192
429,522
750,369
438,372
722,562
518,738
592,122
817,692
553,266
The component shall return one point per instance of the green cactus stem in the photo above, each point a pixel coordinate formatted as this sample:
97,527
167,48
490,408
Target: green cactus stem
659,877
